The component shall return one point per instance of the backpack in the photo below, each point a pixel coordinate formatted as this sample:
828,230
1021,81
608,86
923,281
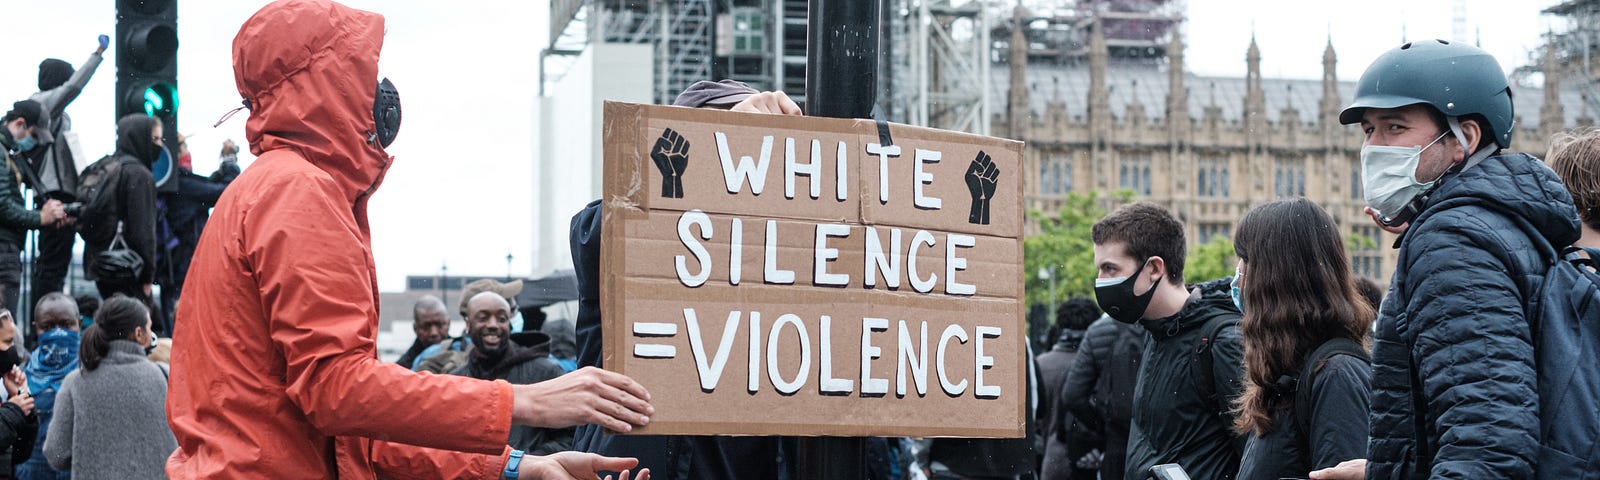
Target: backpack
1308,372
1565,320
97,218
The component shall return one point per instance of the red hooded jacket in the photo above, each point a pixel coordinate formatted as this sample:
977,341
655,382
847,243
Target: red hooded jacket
274,373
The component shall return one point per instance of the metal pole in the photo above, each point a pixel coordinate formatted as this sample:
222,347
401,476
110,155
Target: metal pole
1052,319
841,58
841,82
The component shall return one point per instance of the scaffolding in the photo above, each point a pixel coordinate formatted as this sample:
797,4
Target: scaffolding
1136,31
940,53
680,32
937,54
1575,37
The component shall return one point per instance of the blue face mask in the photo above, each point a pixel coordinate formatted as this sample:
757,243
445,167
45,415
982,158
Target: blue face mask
1236,291
26,143
58,347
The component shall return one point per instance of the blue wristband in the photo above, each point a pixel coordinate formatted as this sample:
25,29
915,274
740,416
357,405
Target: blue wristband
512,464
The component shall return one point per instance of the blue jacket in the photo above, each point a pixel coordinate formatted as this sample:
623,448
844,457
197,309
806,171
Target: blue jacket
1453,381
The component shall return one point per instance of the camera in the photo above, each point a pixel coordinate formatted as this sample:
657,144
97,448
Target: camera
1169,471
73,209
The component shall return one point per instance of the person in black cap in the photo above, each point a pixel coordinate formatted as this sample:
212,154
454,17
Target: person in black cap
18,137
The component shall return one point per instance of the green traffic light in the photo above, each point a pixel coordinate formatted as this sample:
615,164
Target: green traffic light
152,102
160,100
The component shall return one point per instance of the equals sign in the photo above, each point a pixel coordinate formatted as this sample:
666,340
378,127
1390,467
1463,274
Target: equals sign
654,350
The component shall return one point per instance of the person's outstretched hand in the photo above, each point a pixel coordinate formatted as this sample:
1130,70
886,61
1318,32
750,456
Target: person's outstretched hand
577,466
589,395
1346,470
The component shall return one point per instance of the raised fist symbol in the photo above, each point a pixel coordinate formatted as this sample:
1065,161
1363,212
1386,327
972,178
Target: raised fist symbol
981,178
671,155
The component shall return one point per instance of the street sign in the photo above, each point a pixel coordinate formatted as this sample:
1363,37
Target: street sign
779,275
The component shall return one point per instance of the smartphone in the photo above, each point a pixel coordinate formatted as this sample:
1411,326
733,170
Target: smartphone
1169,471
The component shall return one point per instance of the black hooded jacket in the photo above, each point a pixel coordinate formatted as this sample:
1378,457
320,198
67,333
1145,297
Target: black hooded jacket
1454,384
1187,384
526,361
15,218
669,457
186,211
135,196
1333,431
1099,388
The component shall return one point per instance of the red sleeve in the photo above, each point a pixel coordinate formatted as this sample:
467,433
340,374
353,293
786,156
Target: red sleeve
319,294
407,462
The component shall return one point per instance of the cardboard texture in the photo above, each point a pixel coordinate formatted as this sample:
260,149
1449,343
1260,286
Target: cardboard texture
767,338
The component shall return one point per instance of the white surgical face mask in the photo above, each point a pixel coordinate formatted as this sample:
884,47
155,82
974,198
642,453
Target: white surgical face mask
1389,176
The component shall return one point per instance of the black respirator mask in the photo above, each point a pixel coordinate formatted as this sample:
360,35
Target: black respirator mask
1118,298
385,114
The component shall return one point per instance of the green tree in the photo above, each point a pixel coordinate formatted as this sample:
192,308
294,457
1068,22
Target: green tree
1210,261
1064,243
1356,242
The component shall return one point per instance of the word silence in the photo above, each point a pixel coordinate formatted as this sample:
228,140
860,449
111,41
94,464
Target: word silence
773,275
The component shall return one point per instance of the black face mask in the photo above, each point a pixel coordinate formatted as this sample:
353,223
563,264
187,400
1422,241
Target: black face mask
9,358
1119,301
386,113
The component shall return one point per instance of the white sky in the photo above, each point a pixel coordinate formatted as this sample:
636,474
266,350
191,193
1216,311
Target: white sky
1293,34
461,191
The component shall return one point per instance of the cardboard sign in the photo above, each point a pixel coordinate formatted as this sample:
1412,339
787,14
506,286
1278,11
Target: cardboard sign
773,275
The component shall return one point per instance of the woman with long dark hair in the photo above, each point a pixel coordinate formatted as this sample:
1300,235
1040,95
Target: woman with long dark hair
1305,329
110,419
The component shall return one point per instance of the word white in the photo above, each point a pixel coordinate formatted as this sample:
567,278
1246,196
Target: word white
754,172
877,264
911,357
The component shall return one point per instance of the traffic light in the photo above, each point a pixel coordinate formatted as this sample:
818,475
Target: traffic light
147,62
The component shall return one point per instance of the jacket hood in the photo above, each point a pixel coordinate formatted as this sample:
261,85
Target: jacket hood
563,337
308,71
1069,340
524,346
133,138
1518,186
1213,298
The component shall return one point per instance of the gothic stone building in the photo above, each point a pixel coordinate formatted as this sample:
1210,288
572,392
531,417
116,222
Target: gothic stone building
1211,148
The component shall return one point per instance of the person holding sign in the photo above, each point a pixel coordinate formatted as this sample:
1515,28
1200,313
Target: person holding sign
278,378
1193,359
703,457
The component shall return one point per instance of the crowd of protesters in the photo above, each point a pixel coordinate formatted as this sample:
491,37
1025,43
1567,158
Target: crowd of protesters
1293,367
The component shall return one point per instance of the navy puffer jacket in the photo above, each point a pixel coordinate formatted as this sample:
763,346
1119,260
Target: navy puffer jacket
1453,379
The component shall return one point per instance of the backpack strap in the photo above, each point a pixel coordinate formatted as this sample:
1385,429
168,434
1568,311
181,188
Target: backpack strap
118,240
1584,257
1303,396
1219,321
